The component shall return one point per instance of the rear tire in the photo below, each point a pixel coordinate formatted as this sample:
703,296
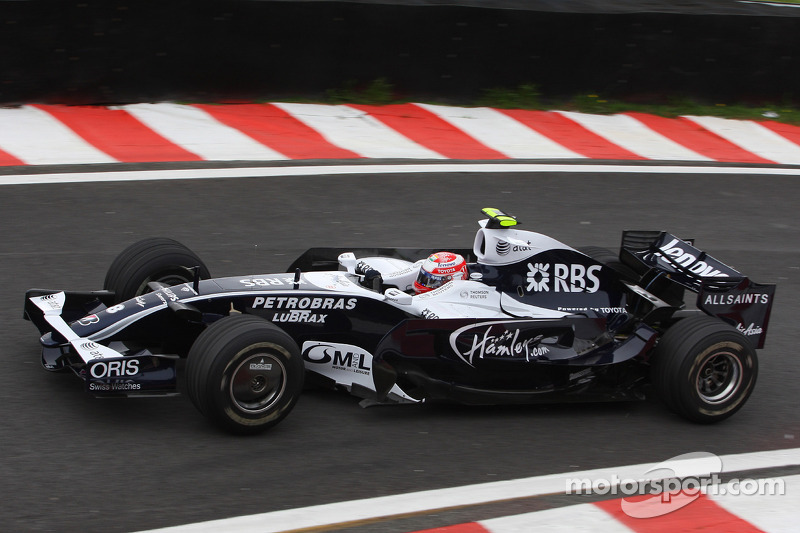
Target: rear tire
704,369
244,374
154,259
611,260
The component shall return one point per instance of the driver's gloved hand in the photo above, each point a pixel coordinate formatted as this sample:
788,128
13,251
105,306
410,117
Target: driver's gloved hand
372,280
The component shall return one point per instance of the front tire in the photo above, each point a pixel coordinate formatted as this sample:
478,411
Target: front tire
154,259
244,374
704,369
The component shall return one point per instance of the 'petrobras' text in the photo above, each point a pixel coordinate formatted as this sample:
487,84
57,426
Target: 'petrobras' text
290,302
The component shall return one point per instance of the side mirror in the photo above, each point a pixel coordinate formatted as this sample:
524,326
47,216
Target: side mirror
348,261
398,296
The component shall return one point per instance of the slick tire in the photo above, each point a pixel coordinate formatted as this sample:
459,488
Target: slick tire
703,369
154,259
244,374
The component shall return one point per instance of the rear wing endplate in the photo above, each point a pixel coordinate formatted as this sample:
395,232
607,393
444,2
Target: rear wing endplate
747,307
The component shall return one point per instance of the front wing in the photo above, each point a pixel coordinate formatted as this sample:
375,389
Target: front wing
106,371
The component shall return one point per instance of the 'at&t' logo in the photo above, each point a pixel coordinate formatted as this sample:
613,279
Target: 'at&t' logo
547,277
505,248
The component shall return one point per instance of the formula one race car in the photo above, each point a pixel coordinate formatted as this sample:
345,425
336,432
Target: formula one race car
532,320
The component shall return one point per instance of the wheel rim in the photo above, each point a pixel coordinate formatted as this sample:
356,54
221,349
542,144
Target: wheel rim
258,382
719,377
173,279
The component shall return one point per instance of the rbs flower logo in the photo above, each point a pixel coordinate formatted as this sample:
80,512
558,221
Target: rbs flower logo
538,277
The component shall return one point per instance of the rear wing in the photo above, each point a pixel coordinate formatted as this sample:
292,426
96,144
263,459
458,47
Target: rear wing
721,290
685,264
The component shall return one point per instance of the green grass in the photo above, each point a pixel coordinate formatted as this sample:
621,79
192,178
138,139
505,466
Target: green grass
592,103
377,92
528,96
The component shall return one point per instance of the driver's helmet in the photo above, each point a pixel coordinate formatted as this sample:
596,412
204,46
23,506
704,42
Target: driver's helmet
438,269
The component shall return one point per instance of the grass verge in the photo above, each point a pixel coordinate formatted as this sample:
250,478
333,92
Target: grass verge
527,96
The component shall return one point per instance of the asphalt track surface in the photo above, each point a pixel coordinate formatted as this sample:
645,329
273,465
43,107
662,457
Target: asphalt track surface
74,463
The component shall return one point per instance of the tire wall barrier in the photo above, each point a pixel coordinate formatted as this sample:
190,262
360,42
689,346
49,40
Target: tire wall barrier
106,52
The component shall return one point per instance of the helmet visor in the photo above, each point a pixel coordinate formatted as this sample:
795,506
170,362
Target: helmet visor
432,281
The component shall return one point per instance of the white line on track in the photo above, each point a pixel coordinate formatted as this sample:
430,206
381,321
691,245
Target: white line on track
319,516
319,170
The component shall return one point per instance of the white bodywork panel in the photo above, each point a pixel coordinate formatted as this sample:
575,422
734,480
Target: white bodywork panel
347,365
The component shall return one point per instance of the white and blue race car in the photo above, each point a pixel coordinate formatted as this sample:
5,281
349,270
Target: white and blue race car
535,320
